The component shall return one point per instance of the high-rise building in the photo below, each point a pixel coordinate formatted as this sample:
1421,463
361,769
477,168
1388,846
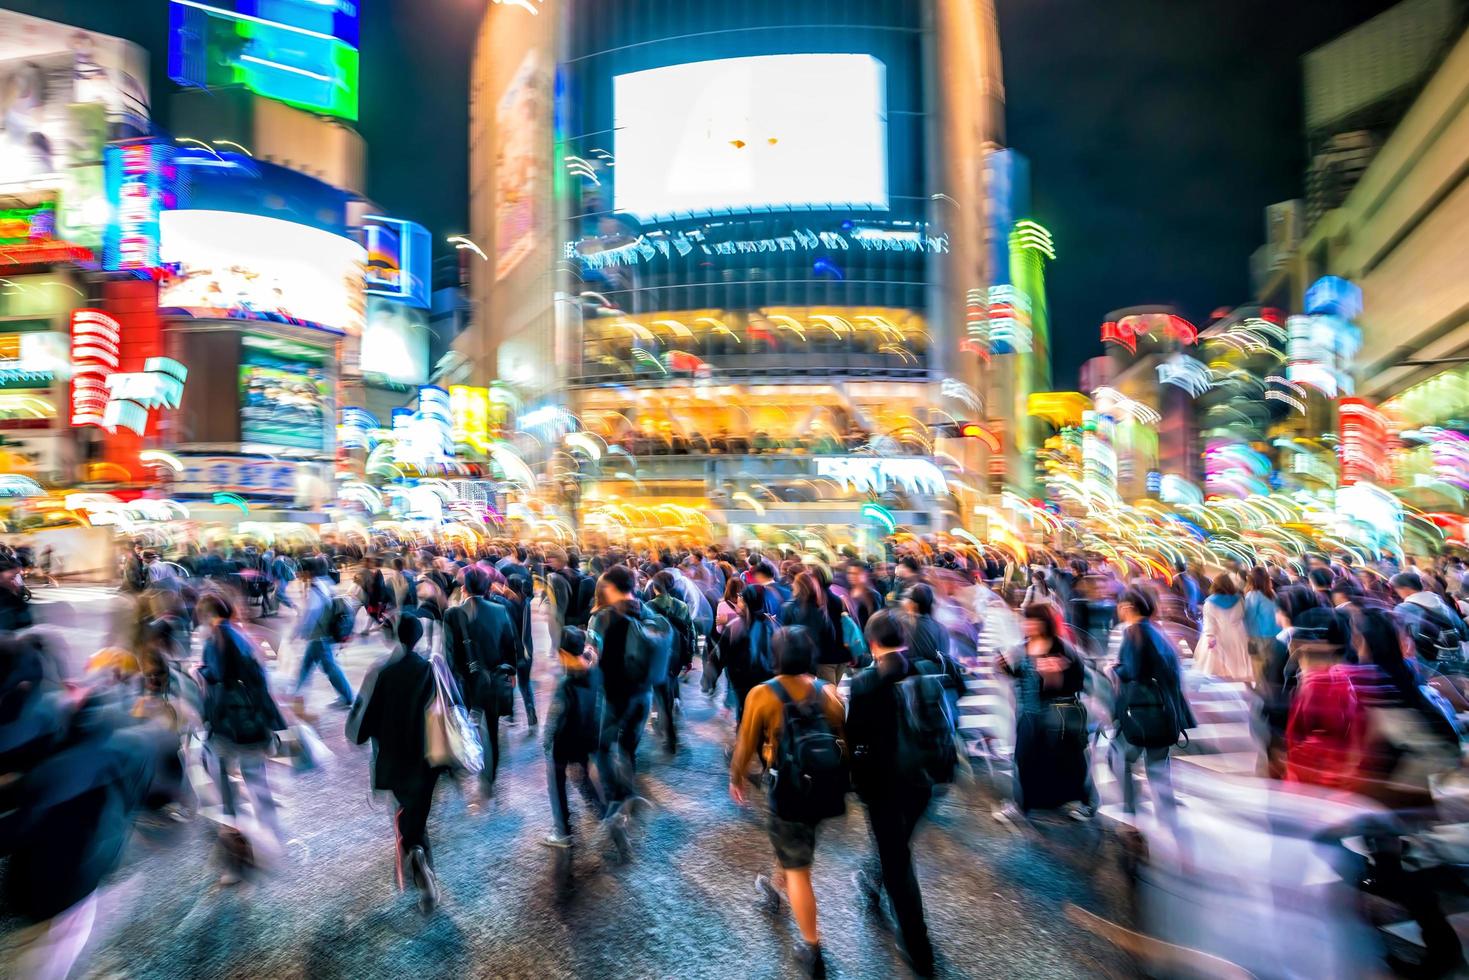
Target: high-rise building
1380,282
739,245
69,92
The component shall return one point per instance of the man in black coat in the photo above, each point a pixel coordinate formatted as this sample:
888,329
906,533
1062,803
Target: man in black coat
390,709
15,608
484,646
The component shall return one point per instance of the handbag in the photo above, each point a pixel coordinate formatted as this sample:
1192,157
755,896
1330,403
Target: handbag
1065,724
450,739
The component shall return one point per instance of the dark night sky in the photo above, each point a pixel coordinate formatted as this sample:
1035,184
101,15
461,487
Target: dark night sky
1157,130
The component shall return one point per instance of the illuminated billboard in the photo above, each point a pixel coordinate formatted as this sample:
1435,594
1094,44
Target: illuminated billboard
802,131
64,93
139,186
220,178
399,259
285,394
51,75
395,342
219,264
299,52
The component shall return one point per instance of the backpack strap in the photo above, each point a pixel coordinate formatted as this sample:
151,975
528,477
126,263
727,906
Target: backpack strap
780,690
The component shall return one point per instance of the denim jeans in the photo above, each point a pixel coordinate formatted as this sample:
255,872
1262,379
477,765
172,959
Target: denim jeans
556,767
251,763
1160,779
617,756
319,651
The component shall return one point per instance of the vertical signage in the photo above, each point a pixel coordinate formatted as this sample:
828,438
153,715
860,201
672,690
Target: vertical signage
95,338
135,188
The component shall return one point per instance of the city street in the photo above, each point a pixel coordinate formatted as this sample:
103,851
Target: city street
684,906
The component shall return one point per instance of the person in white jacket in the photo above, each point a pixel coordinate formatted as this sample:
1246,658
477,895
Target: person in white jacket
1224,644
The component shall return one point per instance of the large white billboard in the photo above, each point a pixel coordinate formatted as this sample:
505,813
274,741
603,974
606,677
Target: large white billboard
751,134
244,266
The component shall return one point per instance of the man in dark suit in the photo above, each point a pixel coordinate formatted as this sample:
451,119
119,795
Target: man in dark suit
390,710
483,647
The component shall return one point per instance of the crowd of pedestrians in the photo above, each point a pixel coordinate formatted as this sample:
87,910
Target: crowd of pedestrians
839,677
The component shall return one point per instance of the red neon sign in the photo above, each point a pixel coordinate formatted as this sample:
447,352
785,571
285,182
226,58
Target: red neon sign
95,339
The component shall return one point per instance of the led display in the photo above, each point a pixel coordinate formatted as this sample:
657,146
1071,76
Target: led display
244,266
62,88
395,342
299,52
285,394
399,259
804,131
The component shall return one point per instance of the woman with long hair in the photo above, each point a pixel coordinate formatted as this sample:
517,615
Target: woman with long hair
744,647
814,606
1224,649
1260,624
1050,720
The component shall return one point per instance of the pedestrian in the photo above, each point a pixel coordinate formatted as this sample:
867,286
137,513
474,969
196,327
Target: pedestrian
573,734
1260,625
744,646
1224,647
896,799
1150,706
1435,629
816,608
242,720
315,627
391,710
483,647
666,602
73,777
511,595
632,645
1039,590
1050,720
15,602
795,722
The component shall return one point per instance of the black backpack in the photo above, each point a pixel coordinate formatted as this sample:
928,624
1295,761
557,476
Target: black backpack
1145,715
649,646
339,620
758,659
580,733
809,780
926,750
237,710
582,594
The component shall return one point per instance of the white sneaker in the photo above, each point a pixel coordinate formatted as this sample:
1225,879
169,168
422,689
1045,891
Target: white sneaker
556,840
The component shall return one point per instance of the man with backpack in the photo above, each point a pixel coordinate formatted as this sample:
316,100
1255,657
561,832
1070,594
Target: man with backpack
1151,710
795,721
634,644
573,734
572,593
902,742
484,647
325,620
1434,627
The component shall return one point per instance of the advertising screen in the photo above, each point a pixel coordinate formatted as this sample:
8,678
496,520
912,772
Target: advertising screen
300,52
746,134
244,266
399,258
519,170
285,394
61,90
395,343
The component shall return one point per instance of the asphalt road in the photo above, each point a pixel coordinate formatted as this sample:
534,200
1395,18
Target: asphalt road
683,907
